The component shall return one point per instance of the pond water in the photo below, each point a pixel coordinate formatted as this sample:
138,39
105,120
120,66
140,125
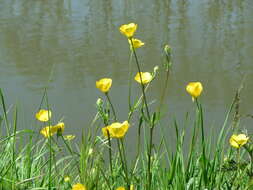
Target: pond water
66,45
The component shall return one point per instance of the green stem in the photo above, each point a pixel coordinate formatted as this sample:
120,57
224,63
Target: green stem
123,162
203,140
14,146
130,81
5,113
149,118
106,180
113,110
110,152
149,156
142,85
138,144
50,145
124,156
164,92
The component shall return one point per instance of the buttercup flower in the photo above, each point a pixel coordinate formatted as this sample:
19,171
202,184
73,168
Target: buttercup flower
120,188
69,137
128,29
78,186
43,115
131,187
104,84
145,76
194,89
48,131
237,141
51,130
136,43
116,130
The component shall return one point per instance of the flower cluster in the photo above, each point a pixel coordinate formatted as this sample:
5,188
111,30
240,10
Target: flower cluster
48,131
129,30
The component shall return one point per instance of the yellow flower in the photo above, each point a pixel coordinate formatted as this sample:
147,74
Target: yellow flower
104,84
116,130
48,131
69,137
146,77
105,131
238,140
120,188
78,186
131,187
128,29
51,130
43,115
60,127
136,43
66,178
194,89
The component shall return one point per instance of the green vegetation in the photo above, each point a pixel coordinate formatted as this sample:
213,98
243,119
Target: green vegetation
52,160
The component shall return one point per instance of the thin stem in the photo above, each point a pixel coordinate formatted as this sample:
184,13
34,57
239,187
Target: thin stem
124,156
138,143
164,92
130,81
106,180
14,145
50,145
110,102
149,156
142,85
122,162
110,152
149,118
202,139
5,113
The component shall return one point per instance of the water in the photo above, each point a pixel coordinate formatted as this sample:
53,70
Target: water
77,42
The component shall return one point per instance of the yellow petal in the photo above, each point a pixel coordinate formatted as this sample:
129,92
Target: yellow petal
136,43
194,89
131,187
128,29
145,77
242,139
238,140
43,115
104,84
48,131
116,130
105,131
232,142
120,188
78,186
